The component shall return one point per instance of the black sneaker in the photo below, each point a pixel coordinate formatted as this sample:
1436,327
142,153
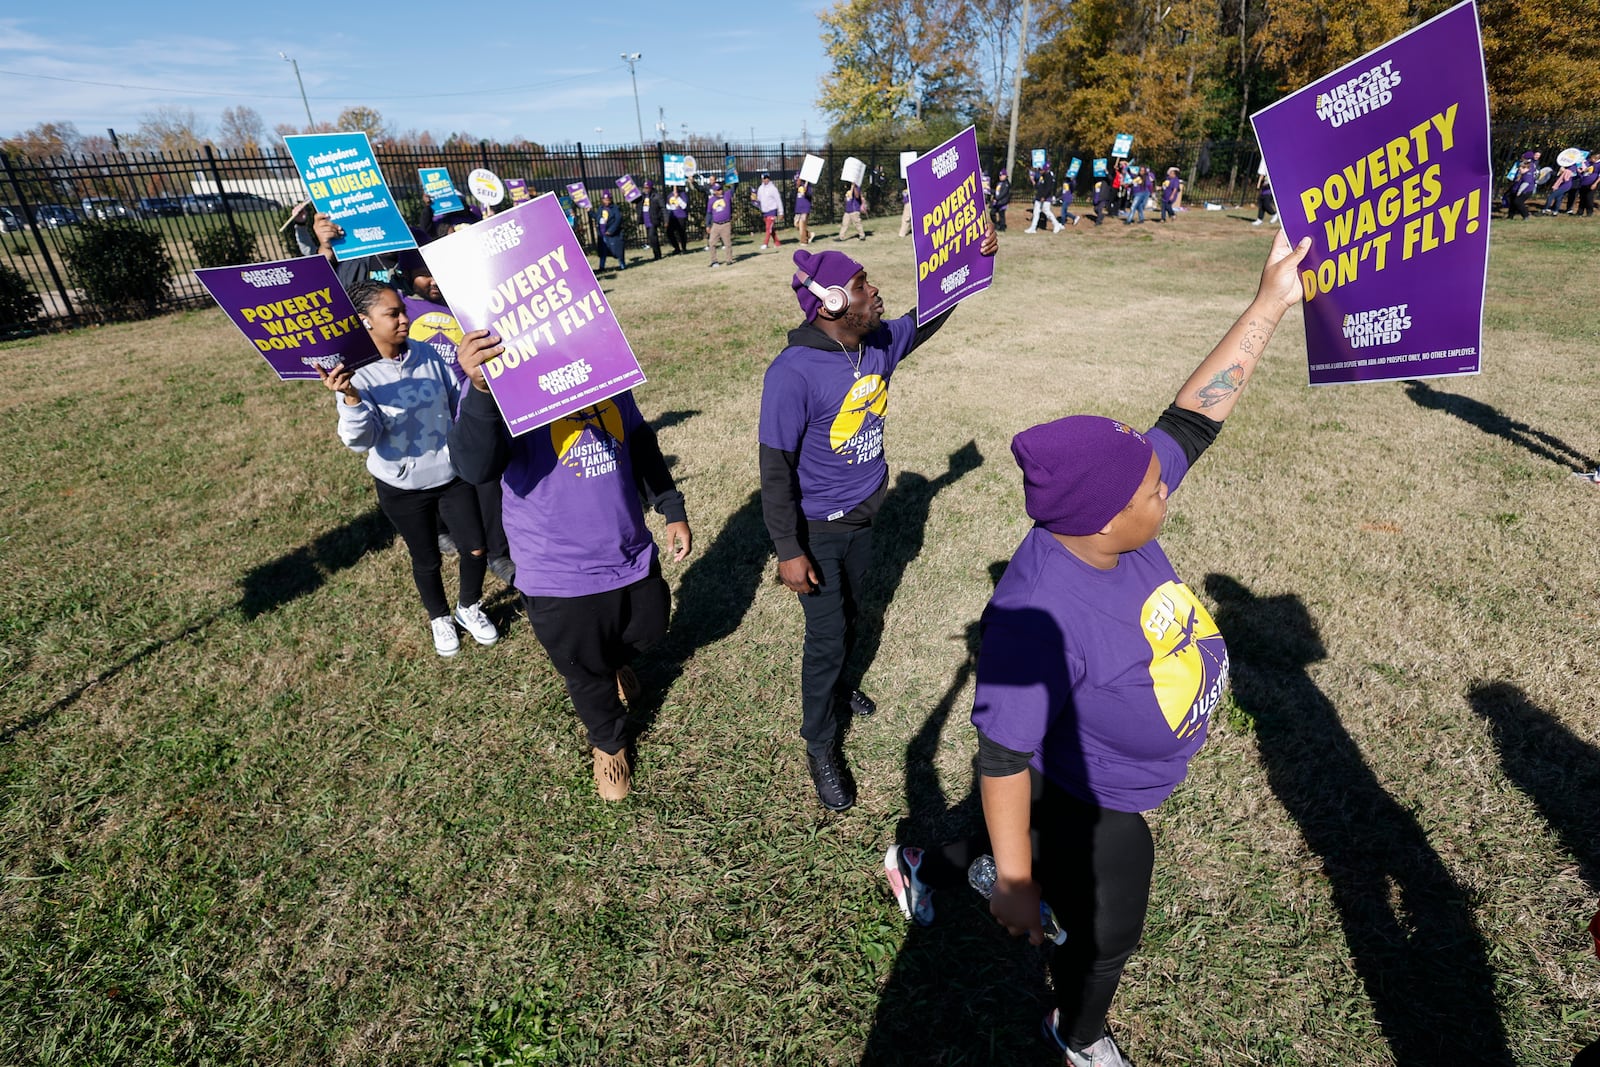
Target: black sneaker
832,781
860,703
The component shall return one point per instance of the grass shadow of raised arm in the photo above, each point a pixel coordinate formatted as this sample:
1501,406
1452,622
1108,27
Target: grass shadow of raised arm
1407,921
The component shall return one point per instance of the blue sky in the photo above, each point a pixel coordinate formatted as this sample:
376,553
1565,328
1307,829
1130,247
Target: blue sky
552,77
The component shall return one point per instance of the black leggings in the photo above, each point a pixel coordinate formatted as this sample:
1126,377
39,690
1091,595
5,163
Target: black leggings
1094,867
416,514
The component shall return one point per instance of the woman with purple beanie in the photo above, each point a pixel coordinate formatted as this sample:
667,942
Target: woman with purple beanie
1096,680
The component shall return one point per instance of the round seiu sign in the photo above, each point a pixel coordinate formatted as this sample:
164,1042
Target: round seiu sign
486,188
690,166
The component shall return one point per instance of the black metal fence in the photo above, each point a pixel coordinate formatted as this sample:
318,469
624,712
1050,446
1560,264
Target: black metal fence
184,198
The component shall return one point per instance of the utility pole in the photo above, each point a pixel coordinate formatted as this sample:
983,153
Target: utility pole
631,58
310,122
1016,89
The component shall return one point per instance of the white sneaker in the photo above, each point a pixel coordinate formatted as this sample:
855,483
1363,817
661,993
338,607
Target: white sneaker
476,623
1103,1053
1030,230
1275,220
445,641
1256,223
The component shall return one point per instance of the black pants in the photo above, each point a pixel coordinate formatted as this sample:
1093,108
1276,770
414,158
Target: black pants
494,530
654,234
1266,205
841,560
589,638
1094,867
1586,200
416,514
614,247
1516,204
677,234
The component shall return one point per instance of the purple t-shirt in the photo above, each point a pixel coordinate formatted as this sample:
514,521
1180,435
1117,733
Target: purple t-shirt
852,202
1108,677
719,207
802,198
1169,191
813,403
678,204
572,511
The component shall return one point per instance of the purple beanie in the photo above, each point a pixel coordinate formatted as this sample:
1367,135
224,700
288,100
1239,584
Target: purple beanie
826,269
1080,471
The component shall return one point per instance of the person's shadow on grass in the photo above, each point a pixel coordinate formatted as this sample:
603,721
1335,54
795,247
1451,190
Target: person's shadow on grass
898,534
1557,770
1407,922
264,588
712,598
1492,421
961,991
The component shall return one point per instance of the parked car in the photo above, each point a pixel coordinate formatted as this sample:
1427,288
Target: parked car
10,219
54,215
202,204
159,207
251,202
104,207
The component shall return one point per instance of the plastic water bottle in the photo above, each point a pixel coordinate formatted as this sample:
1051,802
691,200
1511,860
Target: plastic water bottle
982,876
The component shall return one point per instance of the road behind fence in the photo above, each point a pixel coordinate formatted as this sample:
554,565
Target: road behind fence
184,197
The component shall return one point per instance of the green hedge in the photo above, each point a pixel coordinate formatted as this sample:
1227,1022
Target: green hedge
122,268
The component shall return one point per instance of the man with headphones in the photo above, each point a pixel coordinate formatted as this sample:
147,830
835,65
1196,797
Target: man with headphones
824,477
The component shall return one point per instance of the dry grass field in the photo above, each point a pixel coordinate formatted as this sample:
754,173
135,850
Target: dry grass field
249,817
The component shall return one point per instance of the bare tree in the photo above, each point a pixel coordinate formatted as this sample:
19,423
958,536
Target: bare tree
169,129
242,129
365,120
994,23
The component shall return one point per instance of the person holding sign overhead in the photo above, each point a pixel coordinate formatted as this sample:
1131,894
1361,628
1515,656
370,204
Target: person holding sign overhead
852,213
1097,676
678,219
398,410
719,223
802,209
824,477
587,567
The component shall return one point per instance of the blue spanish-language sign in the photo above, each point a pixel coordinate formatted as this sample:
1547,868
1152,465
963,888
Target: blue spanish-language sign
342,176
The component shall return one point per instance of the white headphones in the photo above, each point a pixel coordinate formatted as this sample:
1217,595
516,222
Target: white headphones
834,298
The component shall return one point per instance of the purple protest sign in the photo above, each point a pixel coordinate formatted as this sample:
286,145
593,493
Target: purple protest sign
947,225
630,191
580,195
523,276
293,313
1385,165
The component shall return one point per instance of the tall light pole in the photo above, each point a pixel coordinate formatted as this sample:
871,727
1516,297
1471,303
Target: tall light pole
631,58
310,122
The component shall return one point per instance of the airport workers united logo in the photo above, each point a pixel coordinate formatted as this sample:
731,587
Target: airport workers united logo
857,431
1188,659
587,442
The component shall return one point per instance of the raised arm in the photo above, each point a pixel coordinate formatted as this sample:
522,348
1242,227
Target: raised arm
1216,383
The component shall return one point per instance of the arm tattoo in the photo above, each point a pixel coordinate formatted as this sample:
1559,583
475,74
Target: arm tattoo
1222,386
1255,338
